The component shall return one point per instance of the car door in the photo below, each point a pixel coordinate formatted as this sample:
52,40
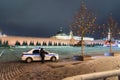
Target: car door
47,56
36,55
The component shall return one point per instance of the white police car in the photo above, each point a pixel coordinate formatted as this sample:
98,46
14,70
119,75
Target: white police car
34,55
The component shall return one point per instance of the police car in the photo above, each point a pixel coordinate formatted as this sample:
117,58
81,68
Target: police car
34,55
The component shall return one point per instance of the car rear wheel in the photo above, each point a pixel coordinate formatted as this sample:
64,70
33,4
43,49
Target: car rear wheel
28,60
53,59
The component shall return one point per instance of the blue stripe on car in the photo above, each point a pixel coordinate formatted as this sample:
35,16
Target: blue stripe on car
30,54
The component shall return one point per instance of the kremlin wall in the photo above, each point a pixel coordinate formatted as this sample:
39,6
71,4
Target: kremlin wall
12,40
59,38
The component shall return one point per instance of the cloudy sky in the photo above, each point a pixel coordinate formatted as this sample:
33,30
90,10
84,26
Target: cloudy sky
43,18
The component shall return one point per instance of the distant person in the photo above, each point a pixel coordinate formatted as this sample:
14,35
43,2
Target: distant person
42,55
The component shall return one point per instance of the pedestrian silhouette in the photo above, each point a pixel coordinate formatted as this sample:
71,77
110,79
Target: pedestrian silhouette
42,55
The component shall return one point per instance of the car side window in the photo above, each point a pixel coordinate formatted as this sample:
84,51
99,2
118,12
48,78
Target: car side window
36,52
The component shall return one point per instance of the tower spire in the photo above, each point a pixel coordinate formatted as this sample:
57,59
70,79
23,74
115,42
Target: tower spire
109,33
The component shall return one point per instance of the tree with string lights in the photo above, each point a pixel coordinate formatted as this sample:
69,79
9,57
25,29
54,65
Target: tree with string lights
110,31
83,24
113,31
112,27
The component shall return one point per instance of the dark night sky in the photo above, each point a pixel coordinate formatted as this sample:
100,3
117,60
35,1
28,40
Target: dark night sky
43,18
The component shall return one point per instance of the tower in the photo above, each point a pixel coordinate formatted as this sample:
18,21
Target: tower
109,34
71,35
71,38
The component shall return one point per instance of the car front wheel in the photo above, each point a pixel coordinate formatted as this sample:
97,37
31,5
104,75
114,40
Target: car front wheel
28,60
53,59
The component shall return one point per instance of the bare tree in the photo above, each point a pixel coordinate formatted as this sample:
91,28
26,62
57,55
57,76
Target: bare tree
110,31
83,24
113,30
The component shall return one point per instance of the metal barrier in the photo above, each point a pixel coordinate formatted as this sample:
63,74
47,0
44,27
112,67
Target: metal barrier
94,76
2,53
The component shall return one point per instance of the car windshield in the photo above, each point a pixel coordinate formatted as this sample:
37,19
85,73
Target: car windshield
33,51
36,51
